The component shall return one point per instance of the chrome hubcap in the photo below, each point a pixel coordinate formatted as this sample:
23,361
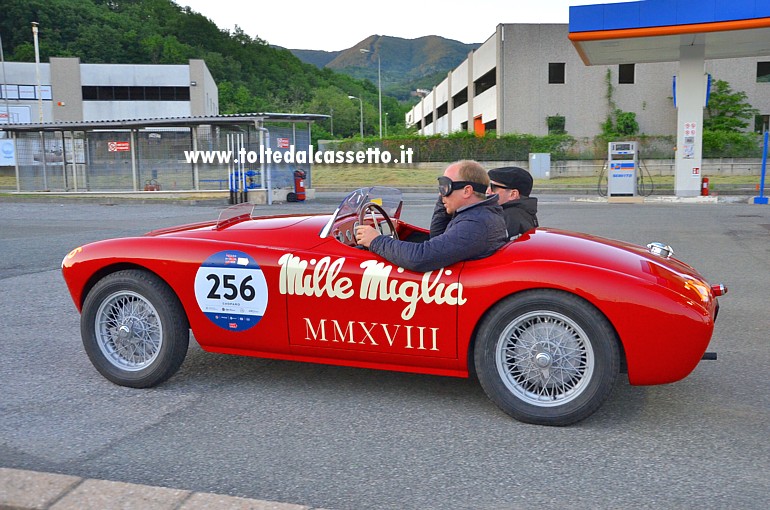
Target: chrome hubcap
543,360
124,332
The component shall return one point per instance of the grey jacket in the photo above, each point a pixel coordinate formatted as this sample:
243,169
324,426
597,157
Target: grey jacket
474,232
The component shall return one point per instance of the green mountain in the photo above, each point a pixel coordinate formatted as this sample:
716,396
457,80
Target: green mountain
318,58
252,76
406,64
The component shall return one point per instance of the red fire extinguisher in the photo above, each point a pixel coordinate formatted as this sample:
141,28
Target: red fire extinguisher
299,185
704,187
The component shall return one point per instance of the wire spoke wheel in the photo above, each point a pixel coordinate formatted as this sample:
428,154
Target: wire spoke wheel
128,331
544,358
134,328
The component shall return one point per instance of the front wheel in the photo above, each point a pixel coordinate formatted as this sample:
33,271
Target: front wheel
546,357
134,329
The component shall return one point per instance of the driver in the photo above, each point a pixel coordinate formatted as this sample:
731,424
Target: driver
476,228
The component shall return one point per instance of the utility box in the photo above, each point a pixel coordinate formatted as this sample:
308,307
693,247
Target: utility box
540,165
622,164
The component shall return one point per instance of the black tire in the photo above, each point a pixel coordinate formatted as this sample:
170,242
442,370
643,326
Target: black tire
134,329
546,357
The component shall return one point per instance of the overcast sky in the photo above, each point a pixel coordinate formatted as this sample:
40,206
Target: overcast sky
339,24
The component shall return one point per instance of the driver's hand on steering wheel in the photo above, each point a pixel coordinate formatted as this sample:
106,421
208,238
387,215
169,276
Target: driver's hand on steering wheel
365,234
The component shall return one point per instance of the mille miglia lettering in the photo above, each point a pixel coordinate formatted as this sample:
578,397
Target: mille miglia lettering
296,278
373,333
323,279
376,285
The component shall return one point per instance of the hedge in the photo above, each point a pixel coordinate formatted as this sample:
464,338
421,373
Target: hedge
517,147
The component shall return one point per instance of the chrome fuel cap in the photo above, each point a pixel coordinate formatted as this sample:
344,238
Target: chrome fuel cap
661,250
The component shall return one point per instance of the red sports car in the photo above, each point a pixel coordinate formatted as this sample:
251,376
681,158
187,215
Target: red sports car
546,323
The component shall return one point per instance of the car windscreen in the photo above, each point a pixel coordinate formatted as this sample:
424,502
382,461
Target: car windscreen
387,198
234,214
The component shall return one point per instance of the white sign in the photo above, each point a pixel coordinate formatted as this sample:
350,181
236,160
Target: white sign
7,153
15,114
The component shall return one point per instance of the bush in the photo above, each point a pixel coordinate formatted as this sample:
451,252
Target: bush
725,144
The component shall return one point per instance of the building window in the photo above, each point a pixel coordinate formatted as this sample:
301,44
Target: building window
761,123
442,110
556,72
118,93
10,91
626,73
428,119
763,72
25,92
556,125
136,93
121,93
460,98
105,93
484,83
89,93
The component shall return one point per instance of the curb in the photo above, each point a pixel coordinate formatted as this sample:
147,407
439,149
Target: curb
31,490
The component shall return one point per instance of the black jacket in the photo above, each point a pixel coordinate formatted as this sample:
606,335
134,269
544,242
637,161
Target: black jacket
474,232
520,215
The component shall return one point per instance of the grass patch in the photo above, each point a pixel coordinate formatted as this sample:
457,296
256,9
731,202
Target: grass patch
8,182
370,175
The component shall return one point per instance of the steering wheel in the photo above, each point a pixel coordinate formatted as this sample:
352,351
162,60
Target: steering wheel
377,208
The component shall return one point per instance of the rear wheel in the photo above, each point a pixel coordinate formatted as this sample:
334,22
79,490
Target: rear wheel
547,357
134,329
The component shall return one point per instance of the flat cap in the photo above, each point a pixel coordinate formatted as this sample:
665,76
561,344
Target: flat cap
513,177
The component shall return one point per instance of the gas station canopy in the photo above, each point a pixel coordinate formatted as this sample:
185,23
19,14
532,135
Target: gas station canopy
654,30
685,31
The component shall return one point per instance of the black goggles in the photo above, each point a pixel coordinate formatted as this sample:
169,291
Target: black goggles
446,186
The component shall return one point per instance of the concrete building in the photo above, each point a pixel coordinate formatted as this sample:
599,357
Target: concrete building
74,92
525,74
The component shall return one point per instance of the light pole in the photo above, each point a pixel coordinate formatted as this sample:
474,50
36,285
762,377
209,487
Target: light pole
379,84
386,124
5,85
361,104
37,70
40,101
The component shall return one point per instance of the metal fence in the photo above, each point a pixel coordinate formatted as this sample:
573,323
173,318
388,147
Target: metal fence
156,158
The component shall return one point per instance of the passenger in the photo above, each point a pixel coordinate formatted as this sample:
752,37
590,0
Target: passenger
474,228
513,185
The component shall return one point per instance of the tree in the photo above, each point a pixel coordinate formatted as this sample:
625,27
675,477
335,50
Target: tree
625,123
727,111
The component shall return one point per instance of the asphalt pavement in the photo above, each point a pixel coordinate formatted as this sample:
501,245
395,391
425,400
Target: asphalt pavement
235,432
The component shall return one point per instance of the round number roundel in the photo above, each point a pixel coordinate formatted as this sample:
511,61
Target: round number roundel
231,290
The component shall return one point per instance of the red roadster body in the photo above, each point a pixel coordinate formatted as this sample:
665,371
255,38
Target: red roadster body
545,323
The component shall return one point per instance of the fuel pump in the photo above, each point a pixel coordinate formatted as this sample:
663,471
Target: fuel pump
622,165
